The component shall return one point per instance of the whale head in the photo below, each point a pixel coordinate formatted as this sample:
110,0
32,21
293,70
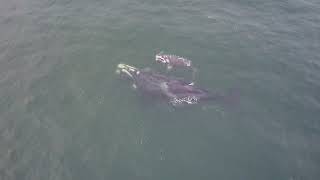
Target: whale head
161,58
127,70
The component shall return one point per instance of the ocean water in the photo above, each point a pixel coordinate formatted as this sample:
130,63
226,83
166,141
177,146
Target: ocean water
64,113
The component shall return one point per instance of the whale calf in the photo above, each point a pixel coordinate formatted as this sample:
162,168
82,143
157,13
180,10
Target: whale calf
175,91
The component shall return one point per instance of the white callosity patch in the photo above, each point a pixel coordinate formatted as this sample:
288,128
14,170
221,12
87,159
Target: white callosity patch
184,100
128,70
173,60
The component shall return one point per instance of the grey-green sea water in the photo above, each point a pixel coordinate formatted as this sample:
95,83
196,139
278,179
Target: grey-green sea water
64,113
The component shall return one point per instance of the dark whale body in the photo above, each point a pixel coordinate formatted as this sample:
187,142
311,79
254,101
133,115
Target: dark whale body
176,90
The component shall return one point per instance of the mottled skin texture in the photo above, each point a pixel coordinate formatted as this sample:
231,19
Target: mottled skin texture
173,60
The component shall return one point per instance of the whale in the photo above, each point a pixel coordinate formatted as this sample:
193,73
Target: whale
176,91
